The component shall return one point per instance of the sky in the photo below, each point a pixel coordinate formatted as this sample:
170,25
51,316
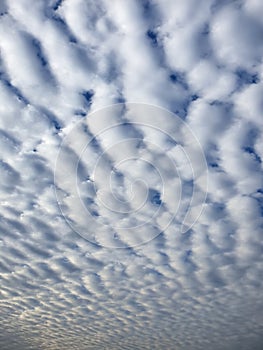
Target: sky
131,186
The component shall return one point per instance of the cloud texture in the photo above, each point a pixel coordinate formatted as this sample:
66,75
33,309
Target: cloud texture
94,198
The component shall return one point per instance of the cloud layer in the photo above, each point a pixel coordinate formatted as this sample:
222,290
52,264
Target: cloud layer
61,64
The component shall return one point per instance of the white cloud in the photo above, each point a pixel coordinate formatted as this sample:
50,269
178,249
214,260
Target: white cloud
236,37
131,185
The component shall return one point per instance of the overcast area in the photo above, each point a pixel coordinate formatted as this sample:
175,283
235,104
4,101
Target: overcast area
131,183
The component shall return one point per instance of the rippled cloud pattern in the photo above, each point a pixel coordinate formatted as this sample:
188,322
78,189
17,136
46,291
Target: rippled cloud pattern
131,186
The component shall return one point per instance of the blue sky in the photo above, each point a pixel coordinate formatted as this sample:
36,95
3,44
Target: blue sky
131,138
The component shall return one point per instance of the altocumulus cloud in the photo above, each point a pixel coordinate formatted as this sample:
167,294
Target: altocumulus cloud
95,257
